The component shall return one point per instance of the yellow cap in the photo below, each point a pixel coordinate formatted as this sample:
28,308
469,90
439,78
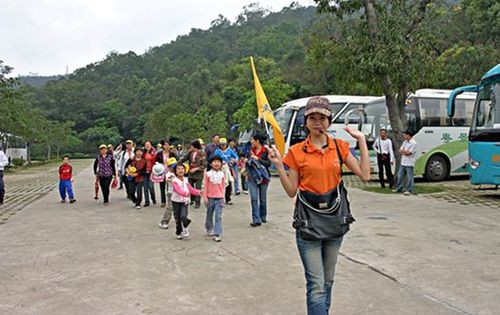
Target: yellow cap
109,146
201,141
102,146
129,141
171,161
159,146
172,147
186,166
222,141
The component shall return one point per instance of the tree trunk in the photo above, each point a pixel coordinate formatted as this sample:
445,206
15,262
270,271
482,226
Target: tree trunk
48,152
58,150
397,114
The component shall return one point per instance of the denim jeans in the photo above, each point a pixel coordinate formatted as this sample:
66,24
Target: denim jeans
149,188
319,259
258,198
236,172
408,170
214,208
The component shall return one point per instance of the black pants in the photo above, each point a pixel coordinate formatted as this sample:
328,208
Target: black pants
138,188
229,189
2,187
163,195
181,216
129,187
105,183
384,161
196,183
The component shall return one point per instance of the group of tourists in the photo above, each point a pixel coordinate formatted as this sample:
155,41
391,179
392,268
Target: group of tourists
311,173
210,173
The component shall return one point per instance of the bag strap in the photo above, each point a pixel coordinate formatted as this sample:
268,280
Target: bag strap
339,155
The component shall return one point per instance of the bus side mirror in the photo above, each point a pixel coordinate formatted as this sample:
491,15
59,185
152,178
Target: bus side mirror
358,120
456,92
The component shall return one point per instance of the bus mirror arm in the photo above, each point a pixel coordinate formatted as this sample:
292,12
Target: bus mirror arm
362,115
455,93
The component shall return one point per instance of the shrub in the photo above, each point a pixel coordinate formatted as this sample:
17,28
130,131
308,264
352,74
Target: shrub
18,162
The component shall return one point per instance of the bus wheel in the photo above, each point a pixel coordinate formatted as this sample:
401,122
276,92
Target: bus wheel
436,169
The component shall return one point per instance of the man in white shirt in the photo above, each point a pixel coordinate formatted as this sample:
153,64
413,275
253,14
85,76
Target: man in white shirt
126,155
408,152
385,157
4,161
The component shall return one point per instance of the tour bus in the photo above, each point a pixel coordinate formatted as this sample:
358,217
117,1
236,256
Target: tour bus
441,141
290,117
484,134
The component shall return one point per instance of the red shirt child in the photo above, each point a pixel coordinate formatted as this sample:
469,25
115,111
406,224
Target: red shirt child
65,172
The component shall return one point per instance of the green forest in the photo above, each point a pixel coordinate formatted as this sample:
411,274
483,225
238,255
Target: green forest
201,83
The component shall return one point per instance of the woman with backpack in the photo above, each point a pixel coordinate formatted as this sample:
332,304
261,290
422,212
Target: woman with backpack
322,215
258,178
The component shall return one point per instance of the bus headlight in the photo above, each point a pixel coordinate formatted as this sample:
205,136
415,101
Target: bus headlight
473,164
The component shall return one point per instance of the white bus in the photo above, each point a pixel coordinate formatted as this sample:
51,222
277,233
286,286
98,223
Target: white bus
441,141
290,117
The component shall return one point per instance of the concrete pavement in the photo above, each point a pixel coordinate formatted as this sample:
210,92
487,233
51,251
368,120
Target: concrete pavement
404,255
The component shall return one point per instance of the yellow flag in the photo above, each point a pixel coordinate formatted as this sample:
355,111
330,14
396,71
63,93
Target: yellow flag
265,112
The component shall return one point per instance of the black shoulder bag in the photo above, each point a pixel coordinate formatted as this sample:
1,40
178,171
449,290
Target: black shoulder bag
324,217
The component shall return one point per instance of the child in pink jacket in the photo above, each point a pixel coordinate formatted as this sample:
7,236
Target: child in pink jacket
180,200
215,186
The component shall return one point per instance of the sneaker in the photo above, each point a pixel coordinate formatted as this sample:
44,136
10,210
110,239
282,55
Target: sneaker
217,238
185,232
407,193
154,202
264,221
245,192
396,191
72,201
237,193
106,203
163,225
210,233
146,205
179,237
255,224
138,207
96,198
63,201
230,203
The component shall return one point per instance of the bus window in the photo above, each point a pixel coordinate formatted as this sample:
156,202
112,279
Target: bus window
433,112
299,131
283,117
488,115
463,113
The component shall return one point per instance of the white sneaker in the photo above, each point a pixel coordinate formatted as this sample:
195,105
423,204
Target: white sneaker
407,193
209,233
138,207
186,232
179,237
163,225
217,238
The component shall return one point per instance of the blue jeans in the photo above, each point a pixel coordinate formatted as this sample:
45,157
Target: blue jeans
214,207
236,172
258,198
408,170
319,259
2,187
149,188
66,187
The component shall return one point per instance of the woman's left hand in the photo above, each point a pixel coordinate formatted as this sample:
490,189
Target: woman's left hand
355,133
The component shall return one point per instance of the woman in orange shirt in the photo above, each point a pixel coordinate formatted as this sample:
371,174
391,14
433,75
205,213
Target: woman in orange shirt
314,166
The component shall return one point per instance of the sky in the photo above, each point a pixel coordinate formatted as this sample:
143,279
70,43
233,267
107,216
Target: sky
44,37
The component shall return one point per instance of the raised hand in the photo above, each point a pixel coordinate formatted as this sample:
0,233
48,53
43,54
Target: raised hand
274,155
355,133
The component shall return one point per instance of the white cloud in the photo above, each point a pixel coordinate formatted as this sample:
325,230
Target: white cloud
45,36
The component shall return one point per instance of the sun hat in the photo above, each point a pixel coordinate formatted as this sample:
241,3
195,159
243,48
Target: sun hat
129,142
318,104
158,169
103,146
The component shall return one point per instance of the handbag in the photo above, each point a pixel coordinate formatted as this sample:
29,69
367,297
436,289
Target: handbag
326,216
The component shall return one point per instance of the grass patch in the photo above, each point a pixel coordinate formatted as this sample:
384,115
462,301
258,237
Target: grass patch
420,189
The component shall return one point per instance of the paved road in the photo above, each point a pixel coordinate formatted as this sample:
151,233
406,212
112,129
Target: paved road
404,255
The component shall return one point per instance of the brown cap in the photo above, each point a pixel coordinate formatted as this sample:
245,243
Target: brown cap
318,104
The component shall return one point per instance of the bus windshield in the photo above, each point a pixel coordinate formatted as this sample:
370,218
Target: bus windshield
283,117
487,111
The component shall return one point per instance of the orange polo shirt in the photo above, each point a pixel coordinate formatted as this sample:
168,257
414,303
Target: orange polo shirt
318,172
